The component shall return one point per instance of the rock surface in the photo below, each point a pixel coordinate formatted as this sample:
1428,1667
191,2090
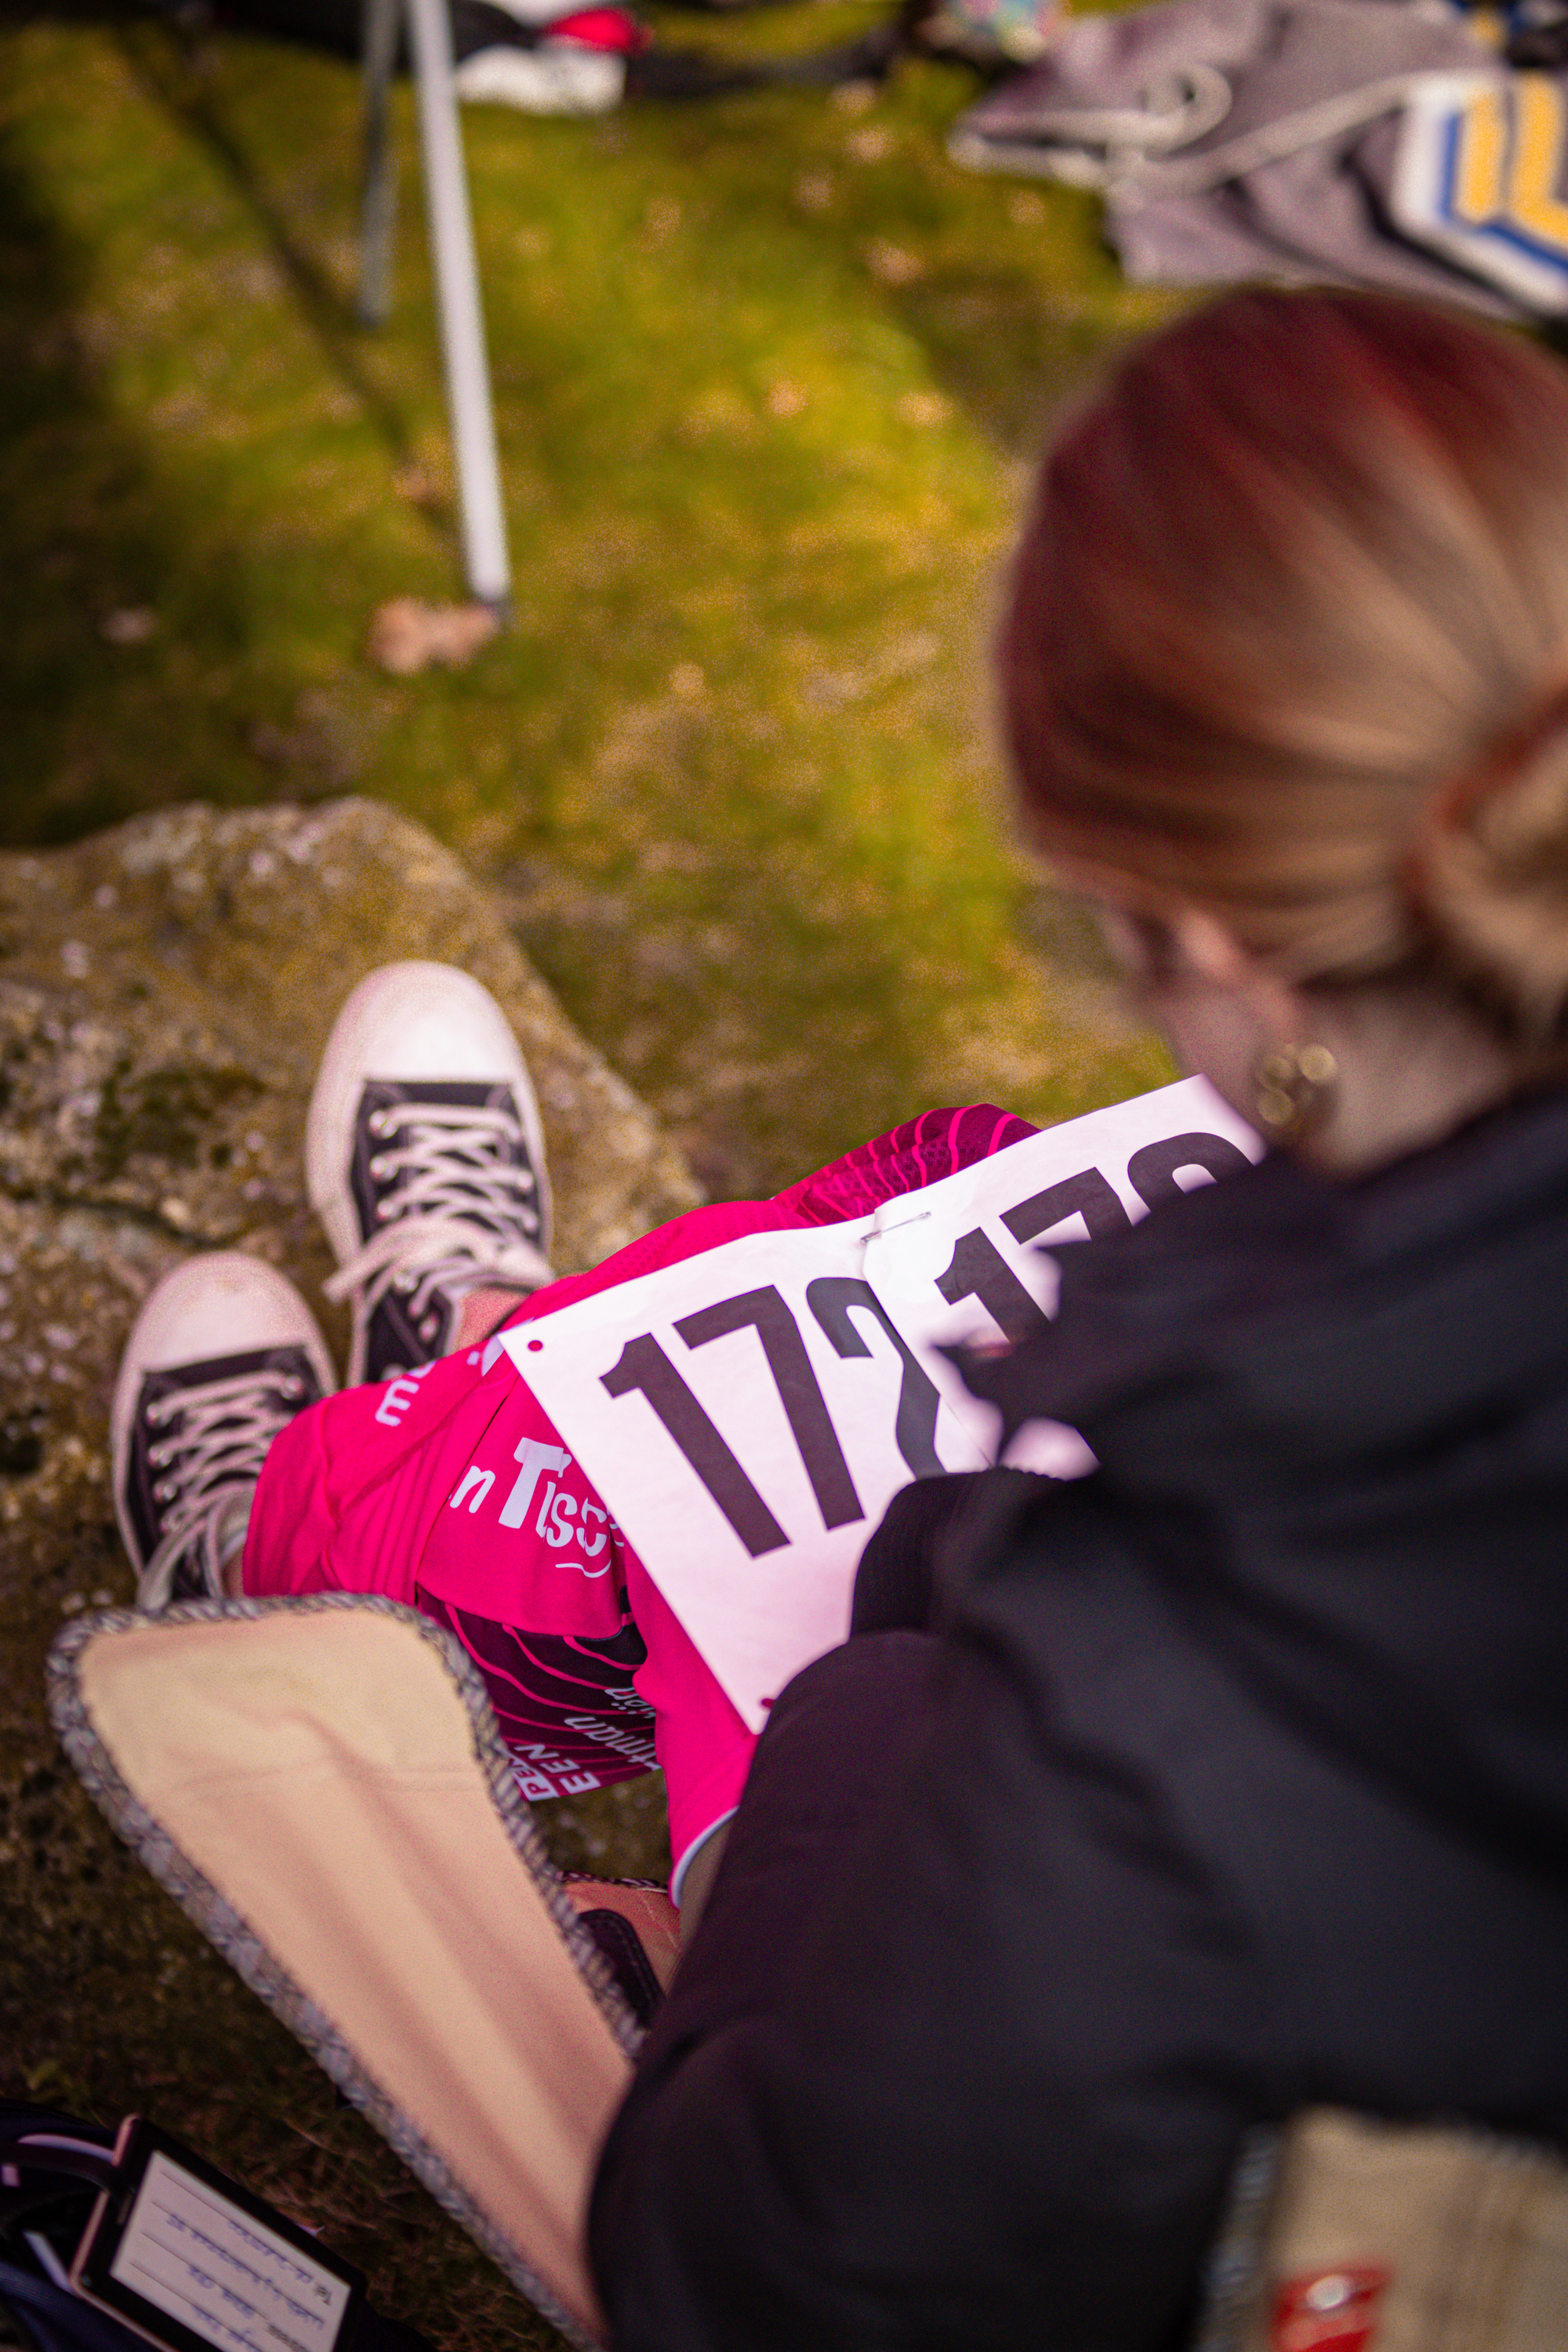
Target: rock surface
165,990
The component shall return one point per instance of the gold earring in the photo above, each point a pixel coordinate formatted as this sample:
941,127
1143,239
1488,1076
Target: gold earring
1293,1086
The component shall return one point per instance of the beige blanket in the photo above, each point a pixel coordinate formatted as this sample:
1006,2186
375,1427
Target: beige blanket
320,1784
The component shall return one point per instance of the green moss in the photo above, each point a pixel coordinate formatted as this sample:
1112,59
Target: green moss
734,756
166,1115
21,1443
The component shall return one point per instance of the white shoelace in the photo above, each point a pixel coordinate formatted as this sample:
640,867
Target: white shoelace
213,1463
459,1222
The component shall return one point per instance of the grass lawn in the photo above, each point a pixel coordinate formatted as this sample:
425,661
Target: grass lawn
768,376
769,371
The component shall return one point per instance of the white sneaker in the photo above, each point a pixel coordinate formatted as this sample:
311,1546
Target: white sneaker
223,1354
424,1160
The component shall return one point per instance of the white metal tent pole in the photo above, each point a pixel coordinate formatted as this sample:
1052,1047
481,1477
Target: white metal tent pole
458,293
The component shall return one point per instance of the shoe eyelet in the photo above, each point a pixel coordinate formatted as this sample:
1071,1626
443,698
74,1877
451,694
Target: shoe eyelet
157,1456
377,1122
164,1491
292,1385
403,1283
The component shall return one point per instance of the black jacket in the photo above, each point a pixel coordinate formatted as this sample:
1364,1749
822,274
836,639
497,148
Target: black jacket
1237,1780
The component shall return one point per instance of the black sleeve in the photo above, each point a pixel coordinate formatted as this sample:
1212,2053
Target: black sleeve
945,2069
897,1583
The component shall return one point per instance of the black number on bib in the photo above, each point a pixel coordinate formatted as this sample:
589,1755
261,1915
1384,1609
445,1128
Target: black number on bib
831,1298
644,1366
1088,1196
980,1271
1151,1173
764,1312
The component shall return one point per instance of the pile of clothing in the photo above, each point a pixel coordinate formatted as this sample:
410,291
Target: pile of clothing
583,56
1416,146
555,57
1407,144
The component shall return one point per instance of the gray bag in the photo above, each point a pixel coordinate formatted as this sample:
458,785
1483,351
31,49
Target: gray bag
1360,140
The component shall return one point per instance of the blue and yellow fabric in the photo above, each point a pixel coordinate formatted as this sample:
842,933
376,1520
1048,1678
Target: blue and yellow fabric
1481,176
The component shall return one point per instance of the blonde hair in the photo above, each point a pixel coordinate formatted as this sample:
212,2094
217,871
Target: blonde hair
1289,641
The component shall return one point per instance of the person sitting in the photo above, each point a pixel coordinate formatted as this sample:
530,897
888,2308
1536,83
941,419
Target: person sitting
1232,1777
435,1477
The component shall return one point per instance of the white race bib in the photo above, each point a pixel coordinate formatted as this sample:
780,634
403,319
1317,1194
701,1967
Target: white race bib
748,1414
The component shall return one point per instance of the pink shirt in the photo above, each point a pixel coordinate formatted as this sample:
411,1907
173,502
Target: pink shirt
448,1489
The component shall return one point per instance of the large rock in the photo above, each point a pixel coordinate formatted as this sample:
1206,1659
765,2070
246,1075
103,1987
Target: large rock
165,990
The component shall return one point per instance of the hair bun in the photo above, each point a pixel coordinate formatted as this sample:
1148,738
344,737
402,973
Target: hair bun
1489,884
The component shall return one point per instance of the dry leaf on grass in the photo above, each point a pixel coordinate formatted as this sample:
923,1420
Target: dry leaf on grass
893,264
413,483
133,625
407,637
